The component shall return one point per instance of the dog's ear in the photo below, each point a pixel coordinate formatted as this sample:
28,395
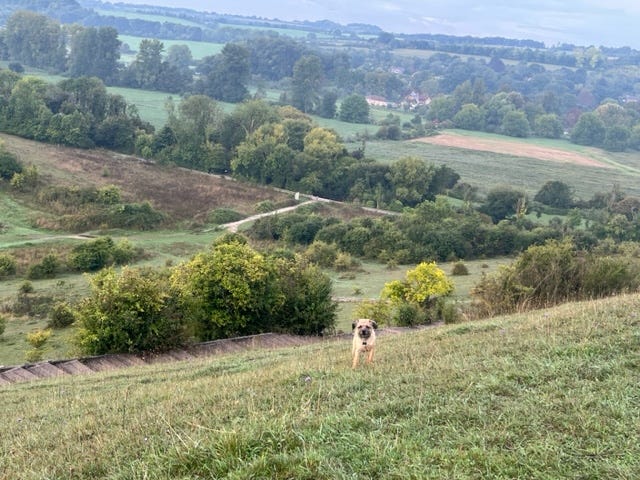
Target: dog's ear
353,325
374,324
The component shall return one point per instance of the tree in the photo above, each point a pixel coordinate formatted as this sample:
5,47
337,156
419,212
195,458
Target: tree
617,138
327,107
555,194
147,67
306,82
179,56
95,52
9,164
35,40
589,130
410,178
354,109
515,124
548,126
469,117
502,202
228,74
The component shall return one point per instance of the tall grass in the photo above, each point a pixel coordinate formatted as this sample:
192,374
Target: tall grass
548,394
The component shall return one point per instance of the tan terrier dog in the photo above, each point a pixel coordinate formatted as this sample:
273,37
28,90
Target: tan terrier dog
364,339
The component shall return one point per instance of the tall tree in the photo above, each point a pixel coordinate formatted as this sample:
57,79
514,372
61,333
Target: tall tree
95,52
228,74
35,40
306,83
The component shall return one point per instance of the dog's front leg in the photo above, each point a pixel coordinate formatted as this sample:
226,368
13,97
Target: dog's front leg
370,356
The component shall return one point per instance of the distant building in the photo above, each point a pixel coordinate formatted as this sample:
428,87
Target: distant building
377,101
415,99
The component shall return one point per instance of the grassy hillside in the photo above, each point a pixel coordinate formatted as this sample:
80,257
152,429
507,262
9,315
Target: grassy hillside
548,394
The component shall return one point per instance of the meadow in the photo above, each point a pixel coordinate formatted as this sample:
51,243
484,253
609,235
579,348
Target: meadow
546,394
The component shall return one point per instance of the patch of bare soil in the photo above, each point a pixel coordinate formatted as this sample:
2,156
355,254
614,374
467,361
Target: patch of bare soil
510,147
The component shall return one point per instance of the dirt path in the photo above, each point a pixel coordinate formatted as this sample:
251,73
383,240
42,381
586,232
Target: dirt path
511,147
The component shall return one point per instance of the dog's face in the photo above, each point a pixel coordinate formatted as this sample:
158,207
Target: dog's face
364,327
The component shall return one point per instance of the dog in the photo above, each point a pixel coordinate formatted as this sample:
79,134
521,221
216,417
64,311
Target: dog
364,339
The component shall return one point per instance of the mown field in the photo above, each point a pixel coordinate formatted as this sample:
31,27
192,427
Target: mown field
549,394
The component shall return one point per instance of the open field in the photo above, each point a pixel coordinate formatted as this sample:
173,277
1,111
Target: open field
547,394
486,161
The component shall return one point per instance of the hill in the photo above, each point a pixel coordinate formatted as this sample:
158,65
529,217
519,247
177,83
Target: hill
548,394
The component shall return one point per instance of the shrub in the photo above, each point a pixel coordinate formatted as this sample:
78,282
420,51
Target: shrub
124,252
9,164
322,254
7,265
25,287
92,255
459,269
38,338
220,216
378,310
61,315
47,268
409,315
3,324
345,262
141,216
129,312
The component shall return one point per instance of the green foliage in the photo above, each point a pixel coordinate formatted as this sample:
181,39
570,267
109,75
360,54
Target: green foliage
378,310
555,194
502,202
61,315
26,180
321,253
421,286
26,287
220,216
91,255
9,164
3,324
38,338
7,265
48,267
354,109
140,216
128,312
589,130
226,291
234,290
553,273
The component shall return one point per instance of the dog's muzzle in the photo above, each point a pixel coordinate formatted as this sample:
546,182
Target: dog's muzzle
365,333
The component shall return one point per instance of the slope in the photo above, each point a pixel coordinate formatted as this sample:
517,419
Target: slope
548,394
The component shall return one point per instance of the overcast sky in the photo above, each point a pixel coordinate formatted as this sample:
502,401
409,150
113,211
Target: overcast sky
612,23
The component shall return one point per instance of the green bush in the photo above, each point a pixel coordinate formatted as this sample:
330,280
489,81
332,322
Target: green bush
25,287
3,324
9,164
61,315
552,273
220,216
92,255
140,216
322,254
7,265
409,315
128,312
47,268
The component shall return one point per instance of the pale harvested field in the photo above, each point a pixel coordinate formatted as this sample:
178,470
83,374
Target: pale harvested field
511,147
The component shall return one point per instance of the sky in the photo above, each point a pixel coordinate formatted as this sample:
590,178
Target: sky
611,23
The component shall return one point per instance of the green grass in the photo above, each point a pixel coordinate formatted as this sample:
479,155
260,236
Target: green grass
199,50
546,395
487,169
